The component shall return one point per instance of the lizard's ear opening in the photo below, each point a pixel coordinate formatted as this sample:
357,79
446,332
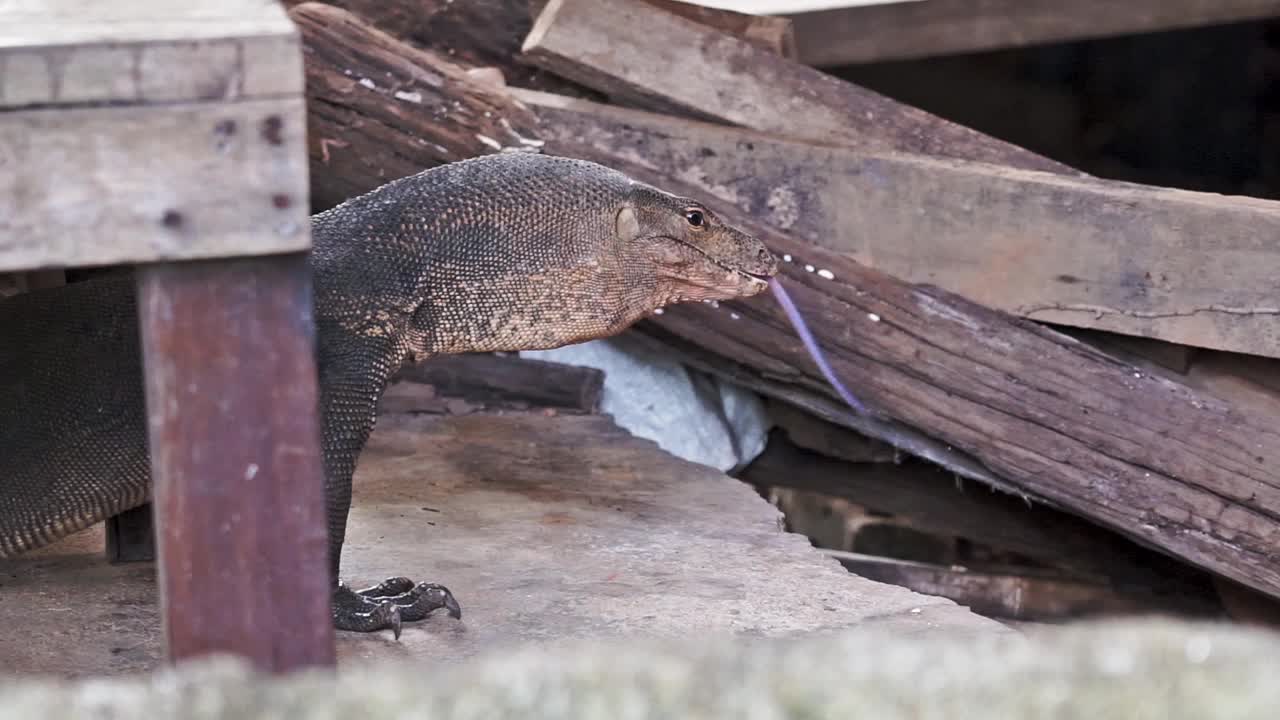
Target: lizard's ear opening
627,224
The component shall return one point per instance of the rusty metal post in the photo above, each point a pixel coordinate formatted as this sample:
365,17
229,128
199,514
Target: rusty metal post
228,350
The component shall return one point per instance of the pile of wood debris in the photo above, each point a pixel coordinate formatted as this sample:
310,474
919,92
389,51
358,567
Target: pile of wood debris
1006,464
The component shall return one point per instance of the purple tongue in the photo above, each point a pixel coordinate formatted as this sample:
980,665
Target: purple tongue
811,345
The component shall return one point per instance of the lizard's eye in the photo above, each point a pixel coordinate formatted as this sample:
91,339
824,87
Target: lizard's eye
695,217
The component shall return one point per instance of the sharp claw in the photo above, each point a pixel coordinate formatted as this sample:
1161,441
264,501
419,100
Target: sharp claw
387,616
450,604
393,618
440,597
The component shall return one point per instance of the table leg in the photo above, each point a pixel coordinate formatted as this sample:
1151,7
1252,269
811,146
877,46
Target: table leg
235,451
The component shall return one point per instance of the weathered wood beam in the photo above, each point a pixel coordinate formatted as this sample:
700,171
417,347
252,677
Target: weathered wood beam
909,30
1173,468
56,161
477,33
486,379
771,33
1183,267
488,33
608,45
369,73
363,83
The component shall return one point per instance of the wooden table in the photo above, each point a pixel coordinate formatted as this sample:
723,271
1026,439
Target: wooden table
171,137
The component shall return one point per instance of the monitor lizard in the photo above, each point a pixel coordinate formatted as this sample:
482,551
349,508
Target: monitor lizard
503,252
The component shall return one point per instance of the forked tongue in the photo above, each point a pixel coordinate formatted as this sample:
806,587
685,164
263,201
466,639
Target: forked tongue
810,344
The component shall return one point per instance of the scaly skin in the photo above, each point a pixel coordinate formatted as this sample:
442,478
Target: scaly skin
503,252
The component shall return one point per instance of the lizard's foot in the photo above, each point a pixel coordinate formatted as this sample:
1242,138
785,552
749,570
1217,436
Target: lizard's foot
388,604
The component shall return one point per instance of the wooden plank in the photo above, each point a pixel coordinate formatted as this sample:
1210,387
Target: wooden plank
118,185
486,379
769,32
67,52
1179,266
235,454
488,33
909,30
363,82
607,45
476,33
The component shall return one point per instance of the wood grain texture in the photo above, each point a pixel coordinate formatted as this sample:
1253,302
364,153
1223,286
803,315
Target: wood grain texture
768,32
118,185
365,87
1179,266
475,33
235,453
390,72
67,52
598,43
488,33
907,30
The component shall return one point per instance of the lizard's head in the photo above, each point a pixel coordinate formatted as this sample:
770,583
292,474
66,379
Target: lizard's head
689,252
525,251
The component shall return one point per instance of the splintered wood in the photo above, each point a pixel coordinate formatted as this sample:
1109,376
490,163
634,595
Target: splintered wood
862,197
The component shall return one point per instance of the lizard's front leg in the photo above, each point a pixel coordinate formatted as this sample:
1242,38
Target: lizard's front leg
391,602
350,385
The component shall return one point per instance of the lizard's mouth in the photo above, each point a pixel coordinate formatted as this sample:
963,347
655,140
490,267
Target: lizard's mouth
755,277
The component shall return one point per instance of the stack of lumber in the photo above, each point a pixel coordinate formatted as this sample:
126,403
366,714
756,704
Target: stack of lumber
925,255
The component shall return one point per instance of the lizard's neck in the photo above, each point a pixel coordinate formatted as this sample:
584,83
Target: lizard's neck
461,312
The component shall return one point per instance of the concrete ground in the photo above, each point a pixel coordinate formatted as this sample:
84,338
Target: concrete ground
546,528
